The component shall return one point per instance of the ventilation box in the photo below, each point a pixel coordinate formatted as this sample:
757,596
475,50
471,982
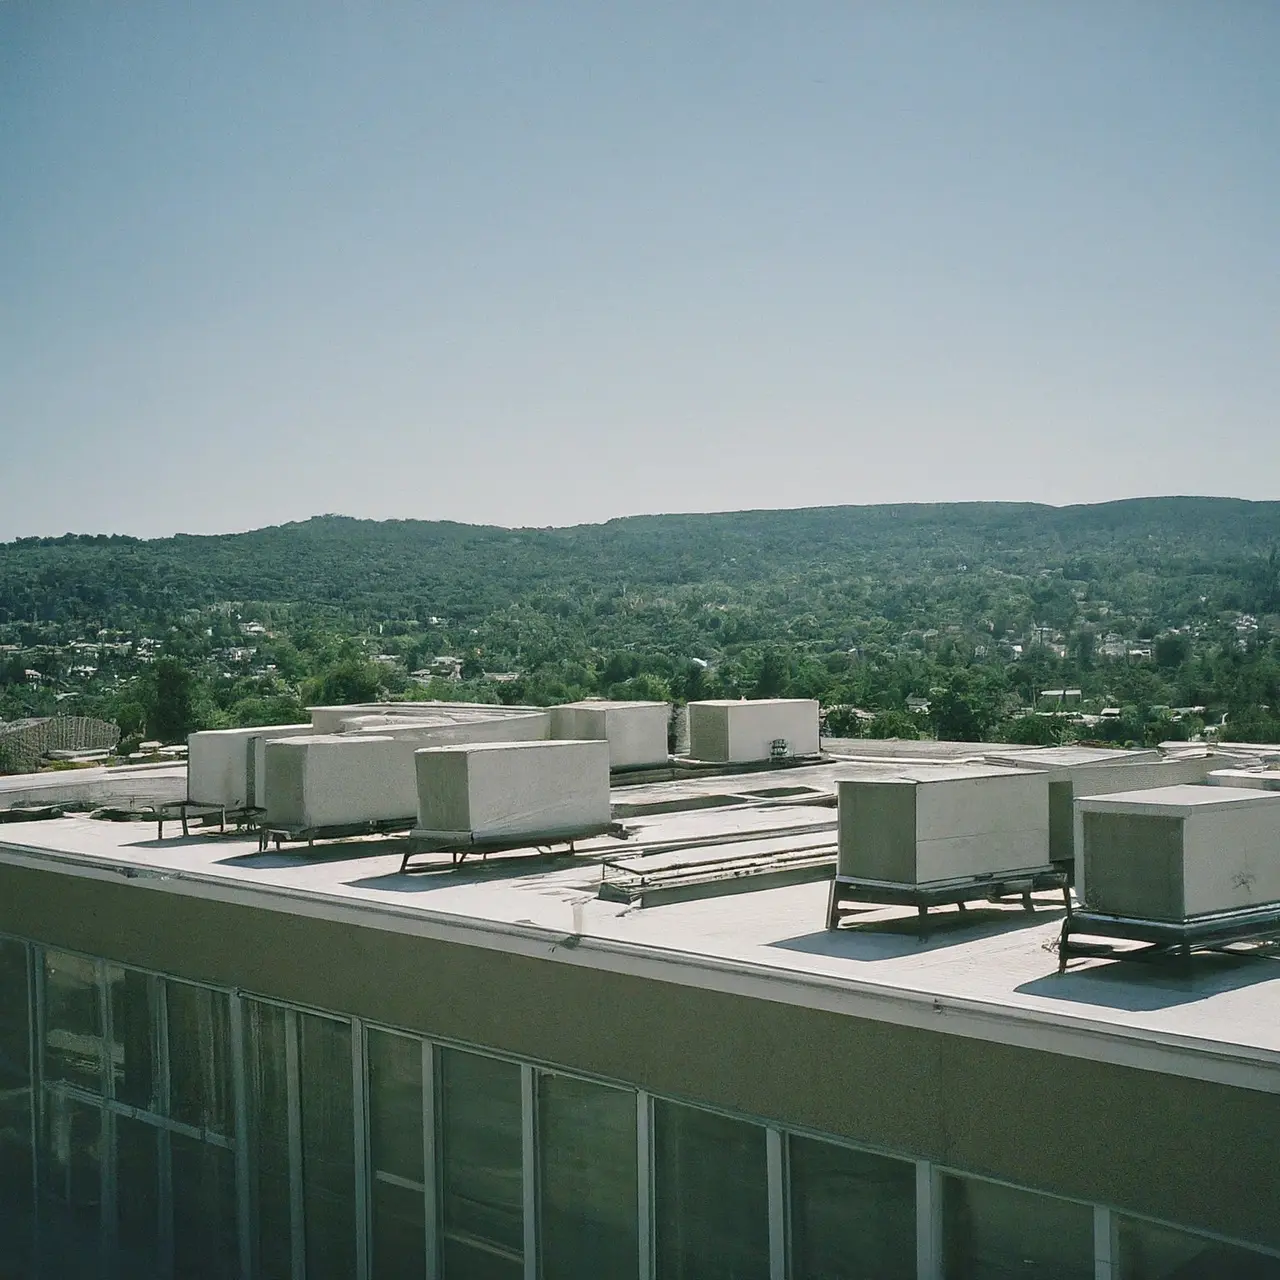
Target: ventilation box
941,824
730,732
1251,779
512,791
1176,853
635,731
338,780
1091,771
228,766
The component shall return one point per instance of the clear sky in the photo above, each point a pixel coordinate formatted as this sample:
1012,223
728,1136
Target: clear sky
539,263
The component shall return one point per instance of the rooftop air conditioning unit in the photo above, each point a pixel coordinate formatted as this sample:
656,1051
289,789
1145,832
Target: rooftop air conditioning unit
943,824
1177,853
635,731
505,791
731,732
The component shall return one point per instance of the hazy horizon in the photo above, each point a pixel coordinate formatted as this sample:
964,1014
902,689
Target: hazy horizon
640,515
552,266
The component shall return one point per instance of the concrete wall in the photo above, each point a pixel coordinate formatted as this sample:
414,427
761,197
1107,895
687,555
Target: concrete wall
500,791
1182,1150
635,731
738,732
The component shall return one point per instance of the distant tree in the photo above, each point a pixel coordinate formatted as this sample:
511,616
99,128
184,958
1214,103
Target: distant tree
170,714
894,724
1031,731
350,679
773,678
1171,650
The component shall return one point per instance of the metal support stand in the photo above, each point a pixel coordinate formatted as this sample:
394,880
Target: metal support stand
185,810
958,893
1165,937
458,850
280,835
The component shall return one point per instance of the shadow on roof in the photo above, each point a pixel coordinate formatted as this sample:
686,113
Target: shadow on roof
1149,983
892,937
442,871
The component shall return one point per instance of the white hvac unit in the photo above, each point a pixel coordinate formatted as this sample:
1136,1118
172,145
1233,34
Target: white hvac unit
491,791
227,767
1178,853
1088,771
635,731
433,731
338,780
1252,779
742,732
944,823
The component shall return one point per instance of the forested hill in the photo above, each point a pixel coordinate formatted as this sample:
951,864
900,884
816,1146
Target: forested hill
1154,555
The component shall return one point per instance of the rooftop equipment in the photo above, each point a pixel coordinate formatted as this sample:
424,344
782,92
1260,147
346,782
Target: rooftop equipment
509,795
635,731
334,784
1090,771
226,768
1254,779
1178,867
940,835
731,732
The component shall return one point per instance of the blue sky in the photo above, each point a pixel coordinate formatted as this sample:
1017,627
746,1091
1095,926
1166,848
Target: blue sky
551,263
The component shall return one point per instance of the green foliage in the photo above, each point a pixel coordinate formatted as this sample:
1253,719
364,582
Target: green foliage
170,712
859,607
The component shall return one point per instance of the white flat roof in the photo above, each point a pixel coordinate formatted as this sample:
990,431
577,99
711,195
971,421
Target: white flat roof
991,973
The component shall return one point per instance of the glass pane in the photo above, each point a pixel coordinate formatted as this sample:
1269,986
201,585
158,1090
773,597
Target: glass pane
16,1193
73,1021
328,1148
204,1210
395,1150
1149,1252
992,1232
267,1078
132,1034
137,1196
199,1057
587,1186
395,1104
853,1214
399,1232
712,1196
71,1173
482,1182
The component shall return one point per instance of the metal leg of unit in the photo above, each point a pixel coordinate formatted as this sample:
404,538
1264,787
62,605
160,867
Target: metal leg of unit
833,907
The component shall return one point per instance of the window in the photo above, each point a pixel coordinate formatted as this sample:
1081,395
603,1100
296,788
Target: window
15,1111
992,1232
396,1156
267,1086
73,1021
481,1167
712,1196
138,1196
853,1214
1150,1252
587,1179
204,1210
328,1147
199,1022
132,1049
